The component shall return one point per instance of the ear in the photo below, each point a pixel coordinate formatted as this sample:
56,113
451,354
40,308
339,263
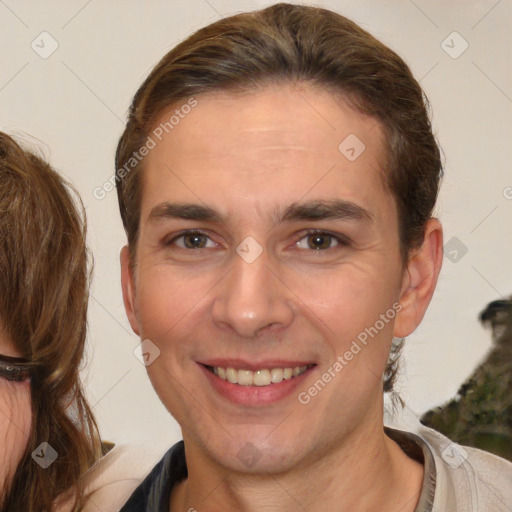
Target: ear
128,290
419,280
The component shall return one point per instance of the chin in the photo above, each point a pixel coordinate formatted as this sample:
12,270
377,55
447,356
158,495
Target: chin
252,450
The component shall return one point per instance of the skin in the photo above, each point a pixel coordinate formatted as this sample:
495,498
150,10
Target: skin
249,157
15,417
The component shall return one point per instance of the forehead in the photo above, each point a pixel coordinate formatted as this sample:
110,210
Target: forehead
265,146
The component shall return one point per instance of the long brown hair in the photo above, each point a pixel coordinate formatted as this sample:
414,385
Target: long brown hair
44,279
287,43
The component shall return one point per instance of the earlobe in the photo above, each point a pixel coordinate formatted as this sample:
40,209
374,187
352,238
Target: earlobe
128,288
419,280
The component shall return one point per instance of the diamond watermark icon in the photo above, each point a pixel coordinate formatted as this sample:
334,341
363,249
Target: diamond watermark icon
249,249
351,147
45,455
455,249
147,352
454,45
44,45
454,455
249,454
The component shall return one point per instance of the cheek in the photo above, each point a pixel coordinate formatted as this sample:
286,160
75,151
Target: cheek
353,309
348,299
167,298
15,424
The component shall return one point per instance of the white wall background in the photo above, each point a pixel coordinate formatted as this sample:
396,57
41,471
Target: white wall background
75,101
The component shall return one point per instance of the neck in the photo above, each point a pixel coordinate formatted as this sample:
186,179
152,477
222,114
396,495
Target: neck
366,472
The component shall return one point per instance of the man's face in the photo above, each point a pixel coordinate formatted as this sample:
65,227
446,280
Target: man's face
292,252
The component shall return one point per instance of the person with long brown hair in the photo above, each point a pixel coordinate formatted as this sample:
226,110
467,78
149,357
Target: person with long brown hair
49,433
52,458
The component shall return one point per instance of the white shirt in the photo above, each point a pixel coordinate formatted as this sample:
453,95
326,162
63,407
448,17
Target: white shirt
459,478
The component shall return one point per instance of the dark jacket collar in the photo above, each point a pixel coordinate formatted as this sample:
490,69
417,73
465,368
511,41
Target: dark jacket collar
154,493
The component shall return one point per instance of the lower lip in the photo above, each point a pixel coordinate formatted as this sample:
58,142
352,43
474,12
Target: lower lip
254,395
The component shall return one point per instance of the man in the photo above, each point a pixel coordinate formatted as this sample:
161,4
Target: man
276,179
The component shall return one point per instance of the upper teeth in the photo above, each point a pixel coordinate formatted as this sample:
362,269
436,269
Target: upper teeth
262,377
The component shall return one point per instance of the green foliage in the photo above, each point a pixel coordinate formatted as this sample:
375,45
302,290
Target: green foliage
481,413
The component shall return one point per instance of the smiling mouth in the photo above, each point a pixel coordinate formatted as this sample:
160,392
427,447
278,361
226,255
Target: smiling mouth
262,377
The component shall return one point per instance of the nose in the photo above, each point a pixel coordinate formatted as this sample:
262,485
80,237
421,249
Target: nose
252,298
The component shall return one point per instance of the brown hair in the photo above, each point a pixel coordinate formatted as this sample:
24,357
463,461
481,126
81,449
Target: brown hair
287,43
44,280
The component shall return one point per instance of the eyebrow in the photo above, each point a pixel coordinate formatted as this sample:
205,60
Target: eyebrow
314,210
336,209
189,211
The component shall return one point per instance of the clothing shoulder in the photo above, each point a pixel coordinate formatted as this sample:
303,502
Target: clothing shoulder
468,479
492,480
154,492
111,481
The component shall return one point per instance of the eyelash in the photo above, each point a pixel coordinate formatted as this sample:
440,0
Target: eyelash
185,233
341,240
14,374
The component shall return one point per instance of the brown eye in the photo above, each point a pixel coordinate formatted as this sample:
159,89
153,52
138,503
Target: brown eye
192,240
319,241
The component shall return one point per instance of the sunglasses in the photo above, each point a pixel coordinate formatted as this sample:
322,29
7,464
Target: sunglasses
16,369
